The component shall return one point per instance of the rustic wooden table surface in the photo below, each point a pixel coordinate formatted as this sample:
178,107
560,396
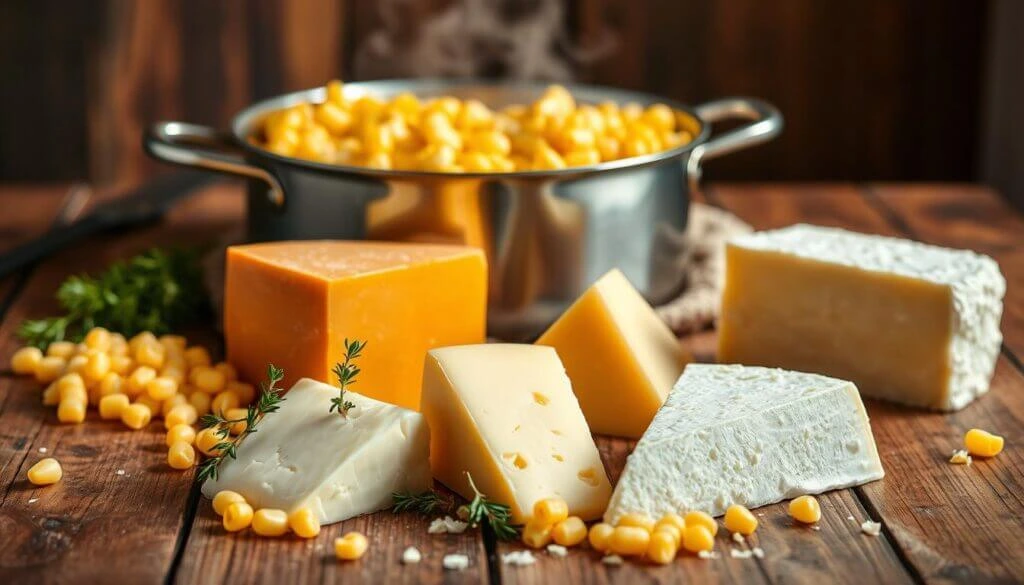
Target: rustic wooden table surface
120,515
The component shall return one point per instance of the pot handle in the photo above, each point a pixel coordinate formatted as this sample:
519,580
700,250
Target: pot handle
203,147
766,123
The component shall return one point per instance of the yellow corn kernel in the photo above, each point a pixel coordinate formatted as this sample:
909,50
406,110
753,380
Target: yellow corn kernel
150,354
447,105
981,443
136,416
379,160
118,344
636,519
229,371
154,406
51,395
173,343
670,529
112,405
697,538
659,117
201,401
181,414
662,547
633,146
45,472
141,338
161,388
489,142
224,402
207,440
629,540
350,547
304,523
631,111
208,379
246,392
608,147
335,118
547,158
49,369
181,455
236,414
502,164
71,411
671,520
225,498
475,162
536,534
98,338
196,356
474,115
599,536
121,364
805,509
335,92
173,372
583,158
112,383
701,519
75,364
569,532
61,349
237,516
574,139
549,511
436,157
26,360
167,405
438,130
378,139
70,382
740,520
180,433
139,379
270,522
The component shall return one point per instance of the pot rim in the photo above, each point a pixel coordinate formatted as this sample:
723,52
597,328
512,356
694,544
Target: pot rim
243,124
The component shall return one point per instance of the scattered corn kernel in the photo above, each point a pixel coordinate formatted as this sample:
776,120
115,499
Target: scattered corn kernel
113,405
181,414
197,356
629,540
639,520
599,536
161,388
51,395
61,349
246,392
237,516
181,455
740,520
673,520
805,509
151,354
167,405
45,472
71,411
71,386
112,383
121,364
180,433
155,406
207,440
208,379
569,532
304,523
201,401
229,371
225,498
224,402
662,547
270,522
136,416
350,547
981,443
536,535
697,538
671,530
49,369
96,366
139,379
549,511
239,415
98,338
702,519
26,360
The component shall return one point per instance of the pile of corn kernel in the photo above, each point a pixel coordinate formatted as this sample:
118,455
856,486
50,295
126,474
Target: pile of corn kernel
136,381
450,135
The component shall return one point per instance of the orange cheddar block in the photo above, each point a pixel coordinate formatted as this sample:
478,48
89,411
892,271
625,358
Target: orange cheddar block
293,304
621,358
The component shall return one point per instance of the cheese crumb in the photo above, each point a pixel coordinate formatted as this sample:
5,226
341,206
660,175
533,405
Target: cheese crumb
519,558
815,527
741,554
120,472
42,449
447,525
707,554
455,562
871,528
960,457
736,536
411,556
33,500
851,518
614,560
557,550
758,552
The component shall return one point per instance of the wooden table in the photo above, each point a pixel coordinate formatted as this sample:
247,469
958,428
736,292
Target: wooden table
121,515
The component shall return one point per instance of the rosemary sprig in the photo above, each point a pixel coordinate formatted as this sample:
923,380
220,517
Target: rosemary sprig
480,510
428,503
269,401
346,373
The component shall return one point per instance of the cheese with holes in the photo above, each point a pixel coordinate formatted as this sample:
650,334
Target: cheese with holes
294,303
622,359
905,321
338,466
506,414
752,436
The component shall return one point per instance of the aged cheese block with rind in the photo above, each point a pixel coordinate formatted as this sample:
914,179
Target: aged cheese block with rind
907,322
506,414
622,359
339,466
295,303
731,434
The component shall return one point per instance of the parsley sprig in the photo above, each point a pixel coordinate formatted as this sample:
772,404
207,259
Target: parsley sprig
428,503
154,291
346,373
481,510
269,401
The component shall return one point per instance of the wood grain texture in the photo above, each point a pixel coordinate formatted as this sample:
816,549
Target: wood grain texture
953,523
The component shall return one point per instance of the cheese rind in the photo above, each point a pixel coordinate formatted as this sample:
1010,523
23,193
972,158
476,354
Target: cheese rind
506,414
752,436
338,466
621,357
293,304
905,321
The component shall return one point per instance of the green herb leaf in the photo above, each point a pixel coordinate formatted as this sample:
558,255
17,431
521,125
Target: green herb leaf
346,373
497,516
428,503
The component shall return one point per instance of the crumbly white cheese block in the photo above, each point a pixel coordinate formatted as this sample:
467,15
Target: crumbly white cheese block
905,321
339,466
753,436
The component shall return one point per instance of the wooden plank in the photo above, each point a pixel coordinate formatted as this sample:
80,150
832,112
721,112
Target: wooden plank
96,525
951,523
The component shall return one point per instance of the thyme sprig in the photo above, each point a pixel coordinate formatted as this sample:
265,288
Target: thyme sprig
428,503
481,510
346,373
269,401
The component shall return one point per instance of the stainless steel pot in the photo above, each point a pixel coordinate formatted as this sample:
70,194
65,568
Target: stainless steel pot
547,234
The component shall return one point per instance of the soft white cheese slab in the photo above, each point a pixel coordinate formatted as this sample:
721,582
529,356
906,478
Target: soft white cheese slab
340,466
731,434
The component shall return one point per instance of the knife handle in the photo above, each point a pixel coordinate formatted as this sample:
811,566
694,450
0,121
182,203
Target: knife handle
52,241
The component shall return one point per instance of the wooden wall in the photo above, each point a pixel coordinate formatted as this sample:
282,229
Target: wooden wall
872,89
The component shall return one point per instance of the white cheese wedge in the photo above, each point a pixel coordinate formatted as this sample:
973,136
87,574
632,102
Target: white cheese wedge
747,435
304,455
906,322
506,414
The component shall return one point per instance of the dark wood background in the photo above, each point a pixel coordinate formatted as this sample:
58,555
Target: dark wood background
871,89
